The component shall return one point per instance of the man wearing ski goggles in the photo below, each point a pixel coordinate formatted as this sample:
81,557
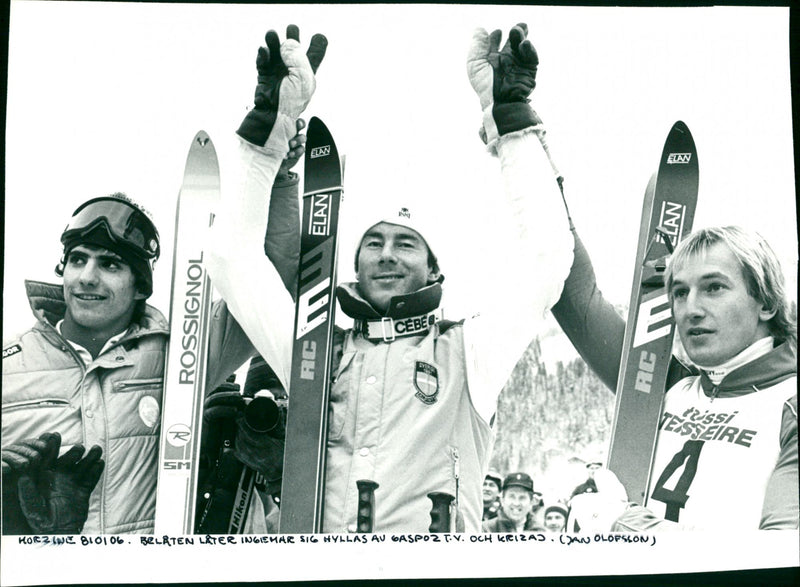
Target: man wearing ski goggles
90,373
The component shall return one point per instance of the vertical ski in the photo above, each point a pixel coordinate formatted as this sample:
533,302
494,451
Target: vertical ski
303,486
667,216
185,372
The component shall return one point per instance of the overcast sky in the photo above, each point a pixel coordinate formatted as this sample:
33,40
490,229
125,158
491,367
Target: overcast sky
107,97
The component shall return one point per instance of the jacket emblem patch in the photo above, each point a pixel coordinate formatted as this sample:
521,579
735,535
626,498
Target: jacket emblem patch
149,411
12,350
426,380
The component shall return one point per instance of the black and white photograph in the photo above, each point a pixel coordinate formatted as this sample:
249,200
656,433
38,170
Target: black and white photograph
409,291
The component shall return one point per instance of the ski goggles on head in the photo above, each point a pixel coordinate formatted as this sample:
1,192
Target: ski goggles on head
126,224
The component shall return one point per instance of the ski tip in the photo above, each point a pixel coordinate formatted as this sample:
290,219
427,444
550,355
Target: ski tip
201,138
681,127
316,125
684,138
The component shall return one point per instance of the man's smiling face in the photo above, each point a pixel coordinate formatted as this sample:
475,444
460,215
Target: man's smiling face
99,289
392,261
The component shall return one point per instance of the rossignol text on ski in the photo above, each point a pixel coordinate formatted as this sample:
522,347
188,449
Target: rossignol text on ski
185,373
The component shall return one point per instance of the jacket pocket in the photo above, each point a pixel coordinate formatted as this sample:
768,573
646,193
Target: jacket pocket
133,407
132,385
36,404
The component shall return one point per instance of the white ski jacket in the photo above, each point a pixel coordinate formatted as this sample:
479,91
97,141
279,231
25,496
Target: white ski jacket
480,356
113,402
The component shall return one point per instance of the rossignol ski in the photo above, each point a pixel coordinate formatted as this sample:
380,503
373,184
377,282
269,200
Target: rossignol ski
303,486
185,372
667,215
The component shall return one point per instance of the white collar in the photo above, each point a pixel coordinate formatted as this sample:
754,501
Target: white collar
751,353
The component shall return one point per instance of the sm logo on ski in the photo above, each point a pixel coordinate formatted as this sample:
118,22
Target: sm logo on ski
177,465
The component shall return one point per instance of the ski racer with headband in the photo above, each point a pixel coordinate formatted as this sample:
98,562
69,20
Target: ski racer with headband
90,373
410,408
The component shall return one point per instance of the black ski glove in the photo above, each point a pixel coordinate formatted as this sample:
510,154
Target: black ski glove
259,430
16,460
223,404
261,439
54,494
285,86
503,80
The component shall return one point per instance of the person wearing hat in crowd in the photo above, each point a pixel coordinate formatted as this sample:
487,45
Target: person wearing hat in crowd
90,372
555,517
515,514
413,400
492,483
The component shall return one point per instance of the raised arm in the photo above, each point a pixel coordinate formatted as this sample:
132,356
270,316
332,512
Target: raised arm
589,320
530,271
248,281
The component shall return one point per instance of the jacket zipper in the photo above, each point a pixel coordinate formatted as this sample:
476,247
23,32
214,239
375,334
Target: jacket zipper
456,476
129,385
39,403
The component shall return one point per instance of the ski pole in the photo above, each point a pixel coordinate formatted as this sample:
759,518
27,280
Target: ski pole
440,511
366,505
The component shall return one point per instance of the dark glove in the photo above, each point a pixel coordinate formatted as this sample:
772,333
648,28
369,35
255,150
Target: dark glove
260,440
18,458
225,403
259,429
503,80
54,494
285,86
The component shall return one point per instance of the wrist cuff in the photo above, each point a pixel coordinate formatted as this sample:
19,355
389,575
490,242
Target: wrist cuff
514,116
500,120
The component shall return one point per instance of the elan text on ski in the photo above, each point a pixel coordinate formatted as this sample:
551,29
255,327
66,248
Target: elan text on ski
411,411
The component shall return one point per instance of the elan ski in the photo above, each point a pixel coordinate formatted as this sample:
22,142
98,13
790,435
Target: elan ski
667,216
185,372
303,486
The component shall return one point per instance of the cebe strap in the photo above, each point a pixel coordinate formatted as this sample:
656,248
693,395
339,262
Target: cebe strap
126,224
387,329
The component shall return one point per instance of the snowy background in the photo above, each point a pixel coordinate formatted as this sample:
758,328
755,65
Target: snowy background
107,97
